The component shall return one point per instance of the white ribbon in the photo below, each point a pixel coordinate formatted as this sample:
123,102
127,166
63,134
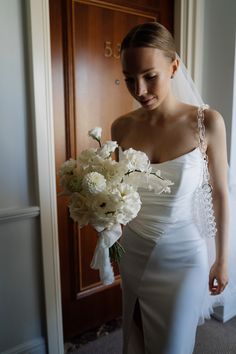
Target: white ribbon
101,259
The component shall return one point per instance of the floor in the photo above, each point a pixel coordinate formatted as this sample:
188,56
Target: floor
213,337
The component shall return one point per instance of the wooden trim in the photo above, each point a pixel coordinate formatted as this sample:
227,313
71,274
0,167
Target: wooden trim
91,290
69,80
9,215
42,112
116,7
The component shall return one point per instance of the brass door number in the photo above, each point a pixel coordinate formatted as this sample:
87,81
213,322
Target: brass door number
109,52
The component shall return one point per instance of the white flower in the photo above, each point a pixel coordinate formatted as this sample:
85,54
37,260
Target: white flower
79,209
157,184
95,133
107,148
131,203
136,160
112,171
87,157
137,179
71,183
104,207
94,183
68,167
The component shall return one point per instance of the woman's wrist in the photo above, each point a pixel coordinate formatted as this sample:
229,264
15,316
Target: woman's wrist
221,261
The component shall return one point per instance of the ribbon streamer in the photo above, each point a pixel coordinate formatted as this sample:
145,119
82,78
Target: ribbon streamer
101,259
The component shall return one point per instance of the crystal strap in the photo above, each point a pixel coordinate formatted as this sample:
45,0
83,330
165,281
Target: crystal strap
202,143
201,128
205,192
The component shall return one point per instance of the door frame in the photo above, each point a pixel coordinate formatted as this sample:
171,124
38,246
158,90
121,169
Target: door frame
189,16
39,59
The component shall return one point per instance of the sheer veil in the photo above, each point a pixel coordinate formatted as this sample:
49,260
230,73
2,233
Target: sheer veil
185,90
183,86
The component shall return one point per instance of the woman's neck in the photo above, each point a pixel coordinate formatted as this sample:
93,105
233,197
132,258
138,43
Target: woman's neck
167,108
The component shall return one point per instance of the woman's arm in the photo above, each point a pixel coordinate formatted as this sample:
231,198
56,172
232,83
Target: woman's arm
218,169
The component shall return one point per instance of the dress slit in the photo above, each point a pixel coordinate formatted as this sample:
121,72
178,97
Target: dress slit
136,336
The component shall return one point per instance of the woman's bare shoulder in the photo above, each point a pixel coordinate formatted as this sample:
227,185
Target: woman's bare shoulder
212,117
214,123
123,123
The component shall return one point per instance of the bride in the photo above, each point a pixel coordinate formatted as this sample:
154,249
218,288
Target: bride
166,280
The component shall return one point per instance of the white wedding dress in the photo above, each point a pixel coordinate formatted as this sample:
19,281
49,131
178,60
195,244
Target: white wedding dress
165,266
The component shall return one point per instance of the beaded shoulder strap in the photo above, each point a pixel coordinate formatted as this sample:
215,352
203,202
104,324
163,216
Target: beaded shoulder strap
202,143
201,129
207,217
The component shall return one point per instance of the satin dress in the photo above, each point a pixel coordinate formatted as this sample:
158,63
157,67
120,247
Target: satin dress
165,267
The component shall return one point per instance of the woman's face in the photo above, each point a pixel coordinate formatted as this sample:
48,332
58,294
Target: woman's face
147,74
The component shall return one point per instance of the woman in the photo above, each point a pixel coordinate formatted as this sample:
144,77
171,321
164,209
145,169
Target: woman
164,271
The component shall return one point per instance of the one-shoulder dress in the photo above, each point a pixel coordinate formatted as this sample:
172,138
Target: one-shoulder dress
165,266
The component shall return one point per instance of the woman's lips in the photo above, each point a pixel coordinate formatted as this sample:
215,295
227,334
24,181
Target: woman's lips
147,102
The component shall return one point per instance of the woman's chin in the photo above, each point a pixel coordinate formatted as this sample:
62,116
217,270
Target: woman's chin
152,106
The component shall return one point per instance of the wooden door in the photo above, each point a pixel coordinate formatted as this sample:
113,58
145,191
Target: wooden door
89,91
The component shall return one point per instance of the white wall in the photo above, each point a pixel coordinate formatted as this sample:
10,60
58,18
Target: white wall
219,91
218,59
233,135
22,313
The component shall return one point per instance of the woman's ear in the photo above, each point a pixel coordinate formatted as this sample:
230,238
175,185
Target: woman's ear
174,67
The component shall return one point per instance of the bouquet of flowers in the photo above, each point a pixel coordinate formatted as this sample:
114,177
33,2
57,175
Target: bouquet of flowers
104,193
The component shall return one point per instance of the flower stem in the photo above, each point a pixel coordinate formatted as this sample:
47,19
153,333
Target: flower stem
151,173
116,251
99,141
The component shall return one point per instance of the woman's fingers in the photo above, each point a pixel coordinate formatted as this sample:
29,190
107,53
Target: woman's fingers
218,278
211,282
216,286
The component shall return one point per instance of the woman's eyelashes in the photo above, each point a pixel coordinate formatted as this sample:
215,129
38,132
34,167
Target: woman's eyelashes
150,77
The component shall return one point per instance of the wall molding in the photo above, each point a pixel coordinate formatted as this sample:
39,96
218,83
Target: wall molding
9,215
189,34
42,112
36,346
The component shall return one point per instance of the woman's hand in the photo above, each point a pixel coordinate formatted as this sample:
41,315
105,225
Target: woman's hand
218,277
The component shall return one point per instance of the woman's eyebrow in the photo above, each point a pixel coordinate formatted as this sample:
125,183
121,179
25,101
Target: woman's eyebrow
142,72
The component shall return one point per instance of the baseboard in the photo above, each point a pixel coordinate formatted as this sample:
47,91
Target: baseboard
35,346
224,314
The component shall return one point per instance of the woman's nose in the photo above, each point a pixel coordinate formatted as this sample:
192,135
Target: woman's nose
140,88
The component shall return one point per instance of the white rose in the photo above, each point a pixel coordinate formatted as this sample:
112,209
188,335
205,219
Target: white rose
136,160
71,183
68,167
79,209
95,133
94,183
112,171
107,148
129,205
87,157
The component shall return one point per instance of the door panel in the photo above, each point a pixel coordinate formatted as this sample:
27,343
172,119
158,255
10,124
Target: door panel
89,91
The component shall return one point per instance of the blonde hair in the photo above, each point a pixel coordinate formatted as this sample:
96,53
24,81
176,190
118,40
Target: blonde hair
150,34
